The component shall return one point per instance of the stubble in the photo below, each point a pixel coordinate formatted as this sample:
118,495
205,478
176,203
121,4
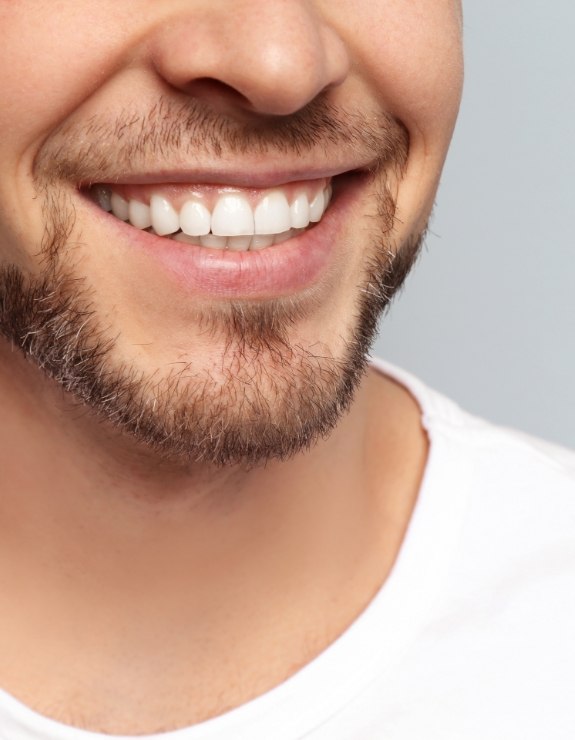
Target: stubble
271,397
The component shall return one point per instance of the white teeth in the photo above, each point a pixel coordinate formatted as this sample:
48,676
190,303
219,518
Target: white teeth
233,224
119,206
299,211
195,219
165,219
232,216
139,214
317,207
279,238
272,215
239,243
215,242
181,237
261,241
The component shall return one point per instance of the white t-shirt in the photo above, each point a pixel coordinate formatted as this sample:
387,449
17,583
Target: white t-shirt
472,637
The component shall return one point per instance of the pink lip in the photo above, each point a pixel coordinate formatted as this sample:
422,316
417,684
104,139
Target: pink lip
275,271
250,177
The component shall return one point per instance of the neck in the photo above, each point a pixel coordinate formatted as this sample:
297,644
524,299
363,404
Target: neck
126,549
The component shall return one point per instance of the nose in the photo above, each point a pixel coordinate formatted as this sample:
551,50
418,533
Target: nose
269,57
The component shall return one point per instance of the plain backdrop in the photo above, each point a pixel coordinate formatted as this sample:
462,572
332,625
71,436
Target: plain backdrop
488,315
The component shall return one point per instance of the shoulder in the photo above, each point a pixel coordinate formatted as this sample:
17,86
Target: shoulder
493,532
514,494
503,457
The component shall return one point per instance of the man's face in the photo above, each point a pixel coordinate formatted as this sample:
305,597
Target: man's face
235,118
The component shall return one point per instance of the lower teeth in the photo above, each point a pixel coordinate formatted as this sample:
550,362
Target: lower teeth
234,243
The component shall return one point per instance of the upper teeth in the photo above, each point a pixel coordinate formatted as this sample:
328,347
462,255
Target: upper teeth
231,221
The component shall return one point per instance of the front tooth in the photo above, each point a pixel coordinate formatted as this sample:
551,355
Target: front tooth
165,219
317,207
272,215
261,241
299,211
195,218
232,216
119,206
139,214
239,243
215,242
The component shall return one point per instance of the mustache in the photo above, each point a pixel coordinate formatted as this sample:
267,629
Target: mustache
106,147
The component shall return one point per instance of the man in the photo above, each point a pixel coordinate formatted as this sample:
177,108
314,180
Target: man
217,518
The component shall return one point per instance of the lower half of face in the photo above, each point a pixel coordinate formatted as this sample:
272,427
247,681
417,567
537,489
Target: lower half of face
204,352
214,318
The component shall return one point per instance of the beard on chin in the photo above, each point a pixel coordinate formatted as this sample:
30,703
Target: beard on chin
269,397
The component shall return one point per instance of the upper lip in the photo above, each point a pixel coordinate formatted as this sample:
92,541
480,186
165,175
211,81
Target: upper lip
237,177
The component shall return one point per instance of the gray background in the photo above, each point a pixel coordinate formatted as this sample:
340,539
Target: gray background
488,316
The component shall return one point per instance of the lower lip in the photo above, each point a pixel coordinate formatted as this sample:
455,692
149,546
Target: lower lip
279,270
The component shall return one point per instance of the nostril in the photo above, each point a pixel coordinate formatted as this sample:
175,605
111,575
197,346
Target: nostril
216,92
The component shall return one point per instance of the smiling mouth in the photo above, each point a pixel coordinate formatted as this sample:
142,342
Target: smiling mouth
218,217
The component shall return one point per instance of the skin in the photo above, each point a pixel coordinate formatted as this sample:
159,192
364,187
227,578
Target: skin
169,580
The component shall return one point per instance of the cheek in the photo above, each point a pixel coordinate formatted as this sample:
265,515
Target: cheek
50,61
408,54
411,56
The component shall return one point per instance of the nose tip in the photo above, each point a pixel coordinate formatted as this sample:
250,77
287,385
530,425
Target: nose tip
270,58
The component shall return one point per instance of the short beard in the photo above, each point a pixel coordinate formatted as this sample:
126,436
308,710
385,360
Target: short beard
269,398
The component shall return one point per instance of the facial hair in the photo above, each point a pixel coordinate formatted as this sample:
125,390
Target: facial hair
272,398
